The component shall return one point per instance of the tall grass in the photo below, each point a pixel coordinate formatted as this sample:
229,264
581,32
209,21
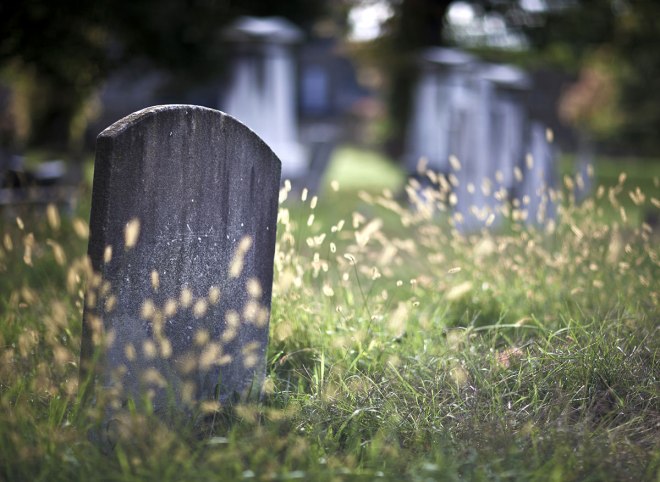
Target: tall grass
401,348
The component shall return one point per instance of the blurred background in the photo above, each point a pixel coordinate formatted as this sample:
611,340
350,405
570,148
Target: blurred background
330,84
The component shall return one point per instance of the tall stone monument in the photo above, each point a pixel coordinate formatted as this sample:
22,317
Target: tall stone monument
261,89
440,104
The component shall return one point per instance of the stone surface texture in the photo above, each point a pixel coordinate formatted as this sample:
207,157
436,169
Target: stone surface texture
182,239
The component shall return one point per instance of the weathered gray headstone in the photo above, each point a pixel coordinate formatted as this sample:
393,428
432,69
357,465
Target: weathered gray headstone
182,239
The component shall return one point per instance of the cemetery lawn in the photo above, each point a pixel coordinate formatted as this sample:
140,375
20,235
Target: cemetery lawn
399,349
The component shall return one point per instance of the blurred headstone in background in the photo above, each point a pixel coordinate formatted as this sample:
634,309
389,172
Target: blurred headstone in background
508,123
493,143
440,106
261,90
476,113
35,184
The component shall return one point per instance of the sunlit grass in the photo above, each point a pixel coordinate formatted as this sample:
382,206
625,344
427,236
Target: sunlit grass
400,348
355,168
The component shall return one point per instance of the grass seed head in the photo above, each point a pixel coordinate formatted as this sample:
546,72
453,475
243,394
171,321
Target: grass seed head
186,297
131,233
199,308
236,267
214,295
53,217
81,228
155,280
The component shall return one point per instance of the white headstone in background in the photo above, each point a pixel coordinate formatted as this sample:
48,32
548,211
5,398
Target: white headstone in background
439,101
261,91
476,113
475,156
508,120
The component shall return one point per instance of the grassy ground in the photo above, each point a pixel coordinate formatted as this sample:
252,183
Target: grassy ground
400,349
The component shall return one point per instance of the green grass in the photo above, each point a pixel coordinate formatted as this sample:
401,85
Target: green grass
355,168
400,349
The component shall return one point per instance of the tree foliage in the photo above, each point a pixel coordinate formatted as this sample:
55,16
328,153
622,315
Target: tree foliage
66,48
610,42
62,50
615,40
59,48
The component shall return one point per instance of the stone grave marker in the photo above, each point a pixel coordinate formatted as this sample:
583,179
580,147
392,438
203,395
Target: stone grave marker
508,122
439,102
261,88
182,239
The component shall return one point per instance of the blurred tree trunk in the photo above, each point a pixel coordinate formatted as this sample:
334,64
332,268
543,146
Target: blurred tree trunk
416,24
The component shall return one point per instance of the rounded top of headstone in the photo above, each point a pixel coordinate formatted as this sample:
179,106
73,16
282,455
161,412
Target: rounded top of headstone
174,111
447,57
271,29
506,76
119,126
143,114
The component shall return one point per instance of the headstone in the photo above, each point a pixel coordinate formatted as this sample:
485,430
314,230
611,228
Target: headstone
182,239
469,122
492,144
472,203
261,89
507,122
439,106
